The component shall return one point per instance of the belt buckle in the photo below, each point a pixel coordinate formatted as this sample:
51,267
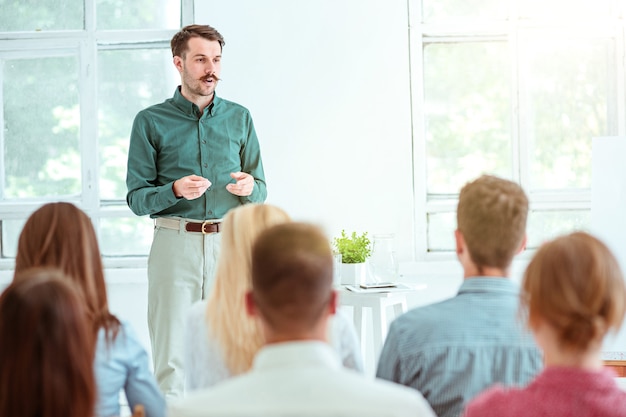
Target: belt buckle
207,223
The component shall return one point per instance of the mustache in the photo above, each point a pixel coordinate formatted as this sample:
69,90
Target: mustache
208,77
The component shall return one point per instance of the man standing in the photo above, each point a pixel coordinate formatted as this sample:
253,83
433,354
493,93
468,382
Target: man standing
297,373
452,350
191,159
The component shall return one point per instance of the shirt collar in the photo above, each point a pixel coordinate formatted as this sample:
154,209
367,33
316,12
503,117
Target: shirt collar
296,354
190,108
488,284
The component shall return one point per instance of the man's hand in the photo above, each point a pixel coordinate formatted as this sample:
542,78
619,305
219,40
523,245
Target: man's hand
244,185
190,187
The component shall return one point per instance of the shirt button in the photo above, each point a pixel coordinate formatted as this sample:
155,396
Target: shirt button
210,211
205,165
204,142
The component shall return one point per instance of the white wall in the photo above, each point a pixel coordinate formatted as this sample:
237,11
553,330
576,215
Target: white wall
327,83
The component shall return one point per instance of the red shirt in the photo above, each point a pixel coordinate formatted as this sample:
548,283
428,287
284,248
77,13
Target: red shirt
556,392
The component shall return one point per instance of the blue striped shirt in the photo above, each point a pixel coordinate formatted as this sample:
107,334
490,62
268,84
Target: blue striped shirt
452,350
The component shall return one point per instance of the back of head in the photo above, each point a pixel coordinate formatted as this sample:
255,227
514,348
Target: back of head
239,335
180,39
292,276
241,227
574,283
61,235
46,348
491,216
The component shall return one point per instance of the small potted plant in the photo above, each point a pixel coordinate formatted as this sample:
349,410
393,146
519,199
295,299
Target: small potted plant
354,250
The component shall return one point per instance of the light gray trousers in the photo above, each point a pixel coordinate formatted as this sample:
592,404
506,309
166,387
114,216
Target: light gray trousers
181,270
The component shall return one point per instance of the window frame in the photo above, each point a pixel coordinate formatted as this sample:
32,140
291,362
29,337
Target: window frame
423,33
86,44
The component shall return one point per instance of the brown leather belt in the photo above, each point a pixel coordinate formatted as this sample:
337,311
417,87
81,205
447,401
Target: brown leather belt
206,227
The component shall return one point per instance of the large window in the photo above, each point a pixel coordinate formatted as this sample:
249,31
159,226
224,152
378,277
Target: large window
515,88
73,74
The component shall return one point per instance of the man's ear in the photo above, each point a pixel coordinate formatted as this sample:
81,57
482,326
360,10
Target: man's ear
250,305
178,63
459,242
332,302
522,246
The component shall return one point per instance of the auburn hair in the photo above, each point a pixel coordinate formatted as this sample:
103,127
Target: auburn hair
574,283
61,235
46,348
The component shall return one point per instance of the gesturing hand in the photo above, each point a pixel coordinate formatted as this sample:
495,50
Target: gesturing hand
190,187
244,185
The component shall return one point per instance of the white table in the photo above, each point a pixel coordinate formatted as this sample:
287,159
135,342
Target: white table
378,303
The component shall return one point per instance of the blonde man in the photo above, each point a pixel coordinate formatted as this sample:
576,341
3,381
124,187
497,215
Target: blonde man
296,373
452,350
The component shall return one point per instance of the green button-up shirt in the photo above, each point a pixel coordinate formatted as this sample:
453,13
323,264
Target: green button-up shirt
173,139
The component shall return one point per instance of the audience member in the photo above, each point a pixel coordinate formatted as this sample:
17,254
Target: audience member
221,339
46,349
572,294
297,373
61,235
452,350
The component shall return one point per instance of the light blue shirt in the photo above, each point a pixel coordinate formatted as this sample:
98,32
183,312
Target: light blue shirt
123,365
452,350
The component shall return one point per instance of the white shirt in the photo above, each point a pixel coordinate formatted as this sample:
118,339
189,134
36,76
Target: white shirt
301,379
204,361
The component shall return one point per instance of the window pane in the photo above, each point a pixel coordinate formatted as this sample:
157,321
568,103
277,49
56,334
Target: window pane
126,85
138,14
450,10
441,228
41,127
542,226
117,237
125,236
43,15
11,230
568,97
560,9
546,225
467,113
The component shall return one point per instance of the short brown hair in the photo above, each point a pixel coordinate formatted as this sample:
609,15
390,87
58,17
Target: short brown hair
491,216
179,41
60,235
46,348
575,284
292,274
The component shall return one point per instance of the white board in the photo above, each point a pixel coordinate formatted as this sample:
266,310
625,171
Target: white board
608,206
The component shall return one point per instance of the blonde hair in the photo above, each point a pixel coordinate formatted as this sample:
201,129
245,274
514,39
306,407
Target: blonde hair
491,216
575,284
238,334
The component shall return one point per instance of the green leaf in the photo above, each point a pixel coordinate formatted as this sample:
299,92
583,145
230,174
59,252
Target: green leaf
354,248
